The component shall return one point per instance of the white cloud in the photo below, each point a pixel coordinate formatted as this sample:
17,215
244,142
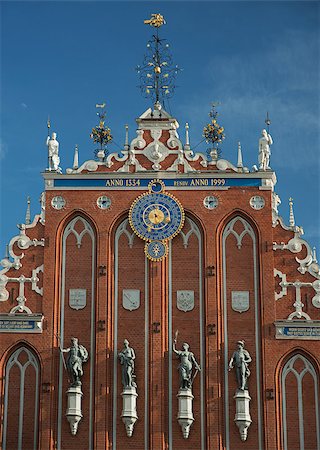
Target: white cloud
284,80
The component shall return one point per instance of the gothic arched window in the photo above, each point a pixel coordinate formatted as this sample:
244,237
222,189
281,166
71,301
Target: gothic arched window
21,401
300,405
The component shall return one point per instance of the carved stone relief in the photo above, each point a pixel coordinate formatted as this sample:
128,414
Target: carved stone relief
131,299
240,301
185,300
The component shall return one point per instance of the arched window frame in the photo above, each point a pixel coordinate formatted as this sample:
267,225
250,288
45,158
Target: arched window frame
250,229
14,361
289,368
68,228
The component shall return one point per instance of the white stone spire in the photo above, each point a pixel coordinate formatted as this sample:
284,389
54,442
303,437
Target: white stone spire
239,163
126,141
314,255
28,212
76,158
187,144
291,215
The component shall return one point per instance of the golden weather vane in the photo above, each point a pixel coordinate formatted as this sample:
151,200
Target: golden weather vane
157,72
156,21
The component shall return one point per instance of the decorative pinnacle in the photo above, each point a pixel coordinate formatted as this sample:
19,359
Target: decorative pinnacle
28,212
187,144
291,215
126,141
239,163
314,255
157,72
76,158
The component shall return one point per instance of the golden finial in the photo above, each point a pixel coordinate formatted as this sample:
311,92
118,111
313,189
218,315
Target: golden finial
156,21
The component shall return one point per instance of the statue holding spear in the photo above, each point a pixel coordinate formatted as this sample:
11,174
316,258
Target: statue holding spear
78,354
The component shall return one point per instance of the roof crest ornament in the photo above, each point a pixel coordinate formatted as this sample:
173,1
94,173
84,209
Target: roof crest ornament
291,214
157,72
101,134
213,134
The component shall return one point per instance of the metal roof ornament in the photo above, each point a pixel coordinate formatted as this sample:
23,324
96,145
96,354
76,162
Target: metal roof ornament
213,134
157,72
101,134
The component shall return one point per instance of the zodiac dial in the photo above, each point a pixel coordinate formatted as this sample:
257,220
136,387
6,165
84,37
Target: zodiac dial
156,216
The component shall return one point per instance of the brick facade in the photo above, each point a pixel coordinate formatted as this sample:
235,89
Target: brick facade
211,265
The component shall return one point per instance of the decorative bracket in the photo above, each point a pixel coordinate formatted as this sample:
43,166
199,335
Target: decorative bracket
21,299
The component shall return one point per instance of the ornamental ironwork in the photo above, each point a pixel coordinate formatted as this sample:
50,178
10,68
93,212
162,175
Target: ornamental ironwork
101,134
158,71
213,133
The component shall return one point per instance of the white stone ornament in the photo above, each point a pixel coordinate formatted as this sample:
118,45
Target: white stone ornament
74,412
104,202
264,150
242,417
185,414
53,153
129,409
58,202
211,202
257,202
77,298
185,300
240,301
131,299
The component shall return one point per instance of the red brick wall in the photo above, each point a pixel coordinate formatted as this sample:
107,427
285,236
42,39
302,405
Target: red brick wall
273,352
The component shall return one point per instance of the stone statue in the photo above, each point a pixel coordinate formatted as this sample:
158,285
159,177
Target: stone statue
240,360
187,361
264,150
78,355
53,152
127,357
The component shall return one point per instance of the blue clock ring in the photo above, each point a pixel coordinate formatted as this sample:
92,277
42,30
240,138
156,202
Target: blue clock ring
156,216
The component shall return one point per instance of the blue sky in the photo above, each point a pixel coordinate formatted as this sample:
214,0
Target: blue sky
60,58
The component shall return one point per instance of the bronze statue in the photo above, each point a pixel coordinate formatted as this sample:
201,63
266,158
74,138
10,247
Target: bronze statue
78,354
185,368
127,357
240,360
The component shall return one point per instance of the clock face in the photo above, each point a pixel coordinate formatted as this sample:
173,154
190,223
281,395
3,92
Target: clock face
156,216
58,202
104,202
257,202
210,202
156,250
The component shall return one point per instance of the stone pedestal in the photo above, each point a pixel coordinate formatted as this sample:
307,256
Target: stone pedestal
185,415
129,409
74,413
242,417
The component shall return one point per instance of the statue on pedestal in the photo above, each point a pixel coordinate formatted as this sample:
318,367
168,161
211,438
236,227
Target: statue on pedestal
127,357
187,361
78,354
53,153
240,360
264,150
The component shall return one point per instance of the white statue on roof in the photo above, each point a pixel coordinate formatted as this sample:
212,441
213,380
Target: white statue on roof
53,153
264,150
